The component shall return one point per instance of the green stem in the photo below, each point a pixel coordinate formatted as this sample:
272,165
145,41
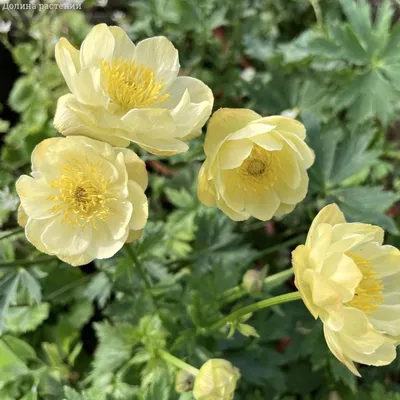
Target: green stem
139,267
284,298
177,362
20,263
12,233
317,11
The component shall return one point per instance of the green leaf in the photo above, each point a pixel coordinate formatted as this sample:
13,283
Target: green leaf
90,394
115,347
367,204
99,289
32,285
351,157
21,319
22,94
159,390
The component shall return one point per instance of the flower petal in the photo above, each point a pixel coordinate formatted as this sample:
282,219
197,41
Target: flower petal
161,56
140,211
123,47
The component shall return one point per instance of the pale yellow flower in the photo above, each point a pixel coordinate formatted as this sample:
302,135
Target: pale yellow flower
255,166
216,380
351,281
83,200
122,93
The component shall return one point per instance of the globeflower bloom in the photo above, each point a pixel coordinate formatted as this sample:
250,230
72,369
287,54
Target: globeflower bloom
255,166
350,280
122,93
83,200
216,380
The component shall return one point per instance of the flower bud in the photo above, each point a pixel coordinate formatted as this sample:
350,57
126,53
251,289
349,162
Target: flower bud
184,381
253,281
216,380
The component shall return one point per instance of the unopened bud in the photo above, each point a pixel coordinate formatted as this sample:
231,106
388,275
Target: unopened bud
184,381
253,281
216,380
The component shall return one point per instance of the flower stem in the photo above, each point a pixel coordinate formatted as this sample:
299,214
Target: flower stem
12,233
270,282
19,263
139,267
177,362
284,298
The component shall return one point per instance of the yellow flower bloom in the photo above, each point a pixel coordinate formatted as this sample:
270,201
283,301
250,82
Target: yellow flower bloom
216,380
122,93
255,166
351,281
84,200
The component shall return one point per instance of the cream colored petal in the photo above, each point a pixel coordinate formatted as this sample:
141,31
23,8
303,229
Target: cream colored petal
330,214
151,123
34,195
232,214
77,260
61,238
391,283
361,343
286,124
41,153
347,236
22,217
133,235
159,54
190,117
306,155
135,167
233,153
334,347
222,123
205,188
386,317
319,250
261,204
300,263
123,47
384,259
326,298
103,245
140,206
284,209
161,147
289,195
74,118
343,274
67,58
98,45
251,130
267,141
288,167
119,218
88,88
33,231
226,184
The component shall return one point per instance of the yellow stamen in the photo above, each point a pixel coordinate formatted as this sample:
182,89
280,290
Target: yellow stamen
131,85
260,166
83,194
368,293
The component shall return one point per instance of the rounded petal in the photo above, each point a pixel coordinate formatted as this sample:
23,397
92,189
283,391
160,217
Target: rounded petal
286,125
98,45
161,56
22,217
231,213
61,238
123,46
233,153
135,167
330,214
140,206
34,230
103,245
133,235
119,218
222,123
39,153
74,118
34,195
67,58
205,188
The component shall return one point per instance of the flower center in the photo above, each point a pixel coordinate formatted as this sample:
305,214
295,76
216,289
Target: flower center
131,85
368,293
83,196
